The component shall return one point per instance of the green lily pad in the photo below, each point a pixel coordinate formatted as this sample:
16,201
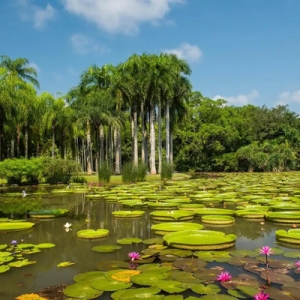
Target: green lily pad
277,294
142,293
5,253
65,264
148,278
129,241
243,292
189,264
92,234
45,245
206,274
209,256
276,277
170,286
3,246
4,268
82,291
24,246
177,252
112,265
240,261
164,228
173,215
185,277
128,214
15,226
106,248
209,289
103,284
217,297
158,241
244,253
89,276
291,254
48,213
21,263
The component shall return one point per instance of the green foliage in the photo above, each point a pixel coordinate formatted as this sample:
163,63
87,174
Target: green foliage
21,170
79,179
166,171
132,173
59,170
104,173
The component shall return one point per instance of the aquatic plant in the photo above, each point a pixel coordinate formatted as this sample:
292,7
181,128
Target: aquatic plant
297,264
266,250
14,242
261,296
134,255
224,276
30,297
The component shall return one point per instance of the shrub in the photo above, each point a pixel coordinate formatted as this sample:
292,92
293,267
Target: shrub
104,173
133,173
166,171
57,170
79,179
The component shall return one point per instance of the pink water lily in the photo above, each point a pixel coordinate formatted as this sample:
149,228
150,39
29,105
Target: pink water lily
266,250
297,264
134,255
14,242
224,276
261,296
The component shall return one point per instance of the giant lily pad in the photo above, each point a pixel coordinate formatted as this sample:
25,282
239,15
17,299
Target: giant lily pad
200,240
284,217
82,291
179,215
164,228
106,248
128,214
45,245
291,236
217,219
48,213
92,234
15,226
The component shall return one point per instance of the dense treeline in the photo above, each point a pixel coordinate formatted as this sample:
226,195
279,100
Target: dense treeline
144,111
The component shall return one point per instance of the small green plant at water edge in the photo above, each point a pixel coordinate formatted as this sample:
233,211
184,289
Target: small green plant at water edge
104,173
166,171
79,179
57,170
132,173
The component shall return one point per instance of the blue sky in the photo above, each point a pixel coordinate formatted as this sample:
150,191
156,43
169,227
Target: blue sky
245,51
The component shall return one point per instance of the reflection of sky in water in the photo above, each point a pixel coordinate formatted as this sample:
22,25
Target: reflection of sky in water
32,278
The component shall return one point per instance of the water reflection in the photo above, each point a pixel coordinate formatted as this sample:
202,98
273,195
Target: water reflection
86,214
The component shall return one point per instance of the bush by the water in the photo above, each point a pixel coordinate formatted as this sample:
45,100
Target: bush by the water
16,171
104,173
132,173
166,171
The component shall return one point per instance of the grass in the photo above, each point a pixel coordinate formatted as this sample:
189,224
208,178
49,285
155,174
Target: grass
118,178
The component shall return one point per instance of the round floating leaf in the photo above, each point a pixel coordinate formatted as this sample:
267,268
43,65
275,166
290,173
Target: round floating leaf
277,294
158,241
170,286
106,248
207,274
200,240
24,246
4,268
243,292
3,246
148,278
31,251
281,264
45,245
244,253
292,254
65,264
21,263
209,289
184,277
217,297
106,285
177,252
82,291
89,276
6,259
164,228
121,275
241,280
15,226
179,215
129,241
276,277
117,294
48,213
92,234
112,265
174,297
5,253
154,268
240,261
142,293
128,214
189,264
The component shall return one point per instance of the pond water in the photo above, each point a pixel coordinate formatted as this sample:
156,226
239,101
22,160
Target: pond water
85,214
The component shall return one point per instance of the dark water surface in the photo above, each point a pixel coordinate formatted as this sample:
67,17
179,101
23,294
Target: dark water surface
32,278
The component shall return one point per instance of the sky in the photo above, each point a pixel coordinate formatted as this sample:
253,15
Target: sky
243,51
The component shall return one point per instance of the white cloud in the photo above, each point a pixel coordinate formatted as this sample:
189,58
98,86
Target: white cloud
38,15
242,99
123,16
288,97
35,66
83,44
186,51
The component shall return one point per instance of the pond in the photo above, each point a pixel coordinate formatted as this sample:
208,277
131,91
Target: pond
225,192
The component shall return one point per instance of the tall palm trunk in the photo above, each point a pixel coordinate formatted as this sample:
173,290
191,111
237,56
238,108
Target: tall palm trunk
88,150
144,135
117,142
168,136
101,150
152,140
12,148
159,138
26,140
171,149
135,136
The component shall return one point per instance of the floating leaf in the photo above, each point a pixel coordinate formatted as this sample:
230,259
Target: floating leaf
189,264
154,268
292,254
243,292
148,278
184,277
106,285
89,276
5,253
106,248
82,290
15,226
276,277
277,294
121,275
170,286
21,263
244,253
3,246
206,289
141,293
177,252
240,261
45,245
129,241
217,297
206,274
158,241
65,264
92,234
112,265
4,268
